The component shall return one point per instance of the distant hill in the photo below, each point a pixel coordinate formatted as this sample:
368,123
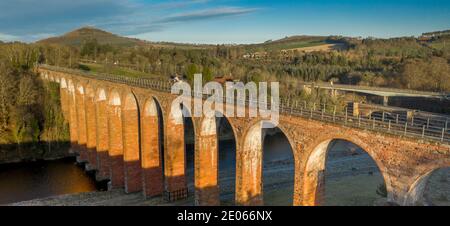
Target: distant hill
297,38
300,43
77,37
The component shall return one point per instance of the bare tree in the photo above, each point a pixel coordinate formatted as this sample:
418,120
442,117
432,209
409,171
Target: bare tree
7,93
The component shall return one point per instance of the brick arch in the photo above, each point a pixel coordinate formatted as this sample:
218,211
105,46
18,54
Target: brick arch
80,99
64,95
205,120
131,137
315,162
207,162
56,79
162,118
102,131
115,139
417,188
174,154
45,75
63,83
249,162
91,126
151,159
72,110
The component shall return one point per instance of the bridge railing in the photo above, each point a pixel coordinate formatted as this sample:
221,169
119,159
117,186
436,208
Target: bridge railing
430,122
374,123
436,132
371,88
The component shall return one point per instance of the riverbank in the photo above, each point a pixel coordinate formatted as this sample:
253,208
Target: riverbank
39,179
31,153
108,198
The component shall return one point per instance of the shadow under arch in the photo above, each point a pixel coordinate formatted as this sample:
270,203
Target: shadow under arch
212,157
278,168
152,152
115,139
430,188
316,164
131,144
189,152
249,174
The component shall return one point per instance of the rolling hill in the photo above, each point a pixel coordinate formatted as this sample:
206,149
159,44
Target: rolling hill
306,43
77,37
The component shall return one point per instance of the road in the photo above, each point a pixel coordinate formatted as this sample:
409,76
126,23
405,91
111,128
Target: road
378,91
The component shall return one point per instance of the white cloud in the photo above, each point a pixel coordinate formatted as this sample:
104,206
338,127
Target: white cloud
208,14
30,20
8,38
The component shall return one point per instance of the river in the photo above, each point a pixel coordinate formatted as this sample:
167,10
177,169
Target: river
26,181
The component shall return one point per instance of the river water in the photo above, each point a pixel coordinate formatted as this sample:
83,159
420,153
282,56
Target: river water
26,181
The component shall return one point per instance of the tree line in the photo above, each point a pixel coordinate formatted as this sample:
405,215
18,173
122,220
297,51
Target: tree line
30,112
396,62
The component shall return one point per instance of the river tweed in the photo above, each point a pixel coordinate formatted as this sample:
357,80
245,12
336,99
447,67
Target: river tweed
26,181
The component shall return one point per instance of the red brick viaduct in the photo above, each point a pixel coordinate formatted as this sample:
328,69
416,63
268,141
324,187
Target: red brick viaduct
114,129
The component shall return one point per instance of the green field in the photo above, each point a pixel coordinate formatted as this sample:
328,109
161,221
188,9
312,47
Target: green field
296,44
115,70
291,43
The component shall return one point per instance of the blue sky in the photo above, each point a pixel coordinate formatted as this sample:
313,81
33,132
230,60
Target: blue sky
222,21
